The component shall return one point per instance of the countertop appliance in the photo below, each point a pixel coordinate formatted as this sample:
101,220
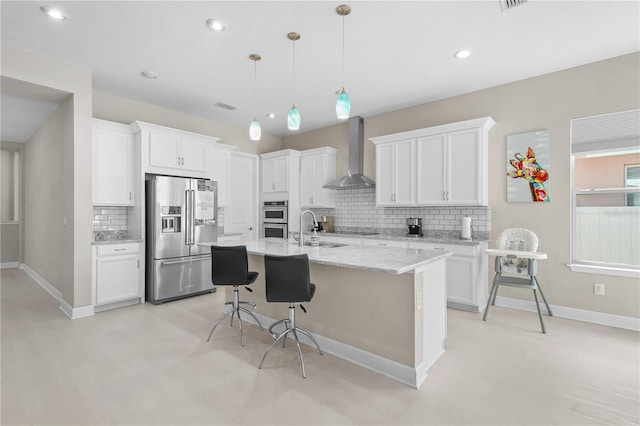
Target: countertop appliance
275,218
415,226
181,212
326,223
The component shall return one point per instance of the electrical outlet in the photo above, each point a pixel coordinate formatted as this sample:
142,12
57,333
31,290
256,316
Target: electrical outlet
598,289
418,300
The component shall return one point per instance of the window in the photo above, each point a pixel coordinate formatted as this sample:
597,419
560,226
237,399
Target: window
606,194
632,180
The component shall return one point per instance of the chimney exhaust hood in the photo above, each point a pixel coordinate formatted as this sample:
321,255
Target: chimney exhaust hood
355,177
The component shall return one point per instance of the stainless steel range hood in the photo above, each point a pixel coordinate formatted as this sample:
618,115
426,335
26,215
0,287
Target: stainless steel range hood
355,177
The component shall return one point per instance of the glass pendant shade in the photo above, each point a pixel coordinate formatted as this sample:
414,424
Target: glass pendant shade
343,105
293,119
255,132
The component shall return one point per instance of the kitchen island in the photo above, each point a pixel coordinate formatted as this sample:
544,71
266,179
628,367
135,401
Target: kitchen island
380,307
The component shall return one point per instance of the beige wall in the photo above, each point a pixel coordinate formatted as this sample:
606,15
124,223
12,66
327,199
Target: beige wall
44,203
122,110
73,273
545,102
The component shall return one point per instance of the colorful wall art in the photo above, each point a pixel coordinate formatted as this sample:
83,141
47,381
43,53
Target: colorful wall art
528,167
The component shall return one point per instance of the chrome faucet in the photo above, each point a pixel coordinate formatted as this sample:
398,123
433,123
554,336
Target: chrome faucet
315,223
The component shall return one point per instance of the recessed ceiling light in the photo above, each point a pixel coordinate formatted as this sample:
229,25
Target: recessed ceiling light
461,54
149,75
53,13
272,115
215,25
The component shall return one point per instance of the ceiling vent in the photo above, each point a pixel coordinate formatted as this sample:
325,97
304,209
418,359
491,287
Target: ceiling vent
509,4
225,106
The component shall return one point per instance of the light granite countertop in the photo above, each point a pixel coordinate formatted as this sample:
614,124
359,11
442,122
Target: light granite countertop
390,260
113,237
430,237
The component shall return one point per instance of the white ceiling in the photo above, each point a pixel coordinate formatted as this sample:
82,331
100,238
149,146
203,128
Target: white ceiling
398,54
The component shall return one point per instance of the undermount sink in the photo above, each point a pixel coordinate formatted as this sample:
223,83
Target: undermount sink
325,244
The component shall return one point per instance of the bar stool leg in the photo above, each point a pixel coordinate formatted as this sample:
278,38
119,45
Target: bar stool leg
271,346
304,375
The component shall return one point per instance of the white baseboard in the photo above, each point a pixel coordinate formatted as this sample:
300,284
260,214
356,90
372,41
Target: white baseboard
42,282
611,320
71,312
75,313
403,373
7,265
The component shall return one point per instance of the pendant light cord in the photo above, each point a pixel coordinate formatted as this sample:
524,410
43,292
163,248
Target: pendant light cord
294,71
255,86
342,52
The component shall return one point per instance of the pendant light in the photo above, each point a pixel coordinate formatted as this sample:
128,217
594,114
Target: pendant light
343,104
293,118
255,132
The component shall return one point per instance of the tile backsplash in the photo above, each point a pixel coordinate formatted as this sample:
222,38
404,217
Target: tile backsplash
110,218
356,208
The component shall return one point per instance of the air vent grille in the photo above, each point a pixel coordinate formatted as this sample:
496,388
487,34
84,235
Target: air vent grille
225,106
508,4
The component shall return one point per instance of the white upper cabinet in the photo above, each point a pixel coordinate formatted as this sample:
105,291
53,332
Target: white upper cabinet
166,151
278,168
447,164
317,168
112,154
395,173
176,152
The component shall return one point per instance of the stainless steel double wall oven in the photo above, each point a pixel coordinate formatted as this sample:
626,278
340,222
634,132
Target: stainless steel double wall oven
275,219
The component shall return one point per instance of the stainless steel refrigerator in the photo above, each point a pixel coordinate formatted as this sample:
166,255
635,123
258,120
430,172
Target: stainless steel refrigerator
181,212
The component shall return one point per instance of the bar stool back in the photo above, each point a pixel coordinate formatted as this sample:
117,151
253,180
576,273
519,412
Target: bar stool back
229,266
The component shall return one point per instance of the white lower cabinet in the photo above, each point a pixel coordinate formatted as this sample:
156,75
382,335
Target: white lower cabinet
466,274
116,275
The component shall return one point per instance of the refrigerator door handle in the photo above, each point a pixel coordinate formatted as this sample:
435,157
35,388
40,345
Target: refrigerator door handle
193,218
187,217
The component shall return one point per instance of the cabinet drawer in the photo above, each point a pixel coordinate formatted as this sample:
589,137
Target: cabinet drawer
118,249
457,250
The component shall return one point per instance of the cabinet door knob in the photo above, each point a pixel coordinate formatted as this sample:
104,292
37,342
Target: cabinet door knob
138,263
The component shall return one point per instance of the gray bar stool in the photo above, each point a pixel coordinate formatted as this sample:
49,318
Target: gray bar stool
229,266
287,280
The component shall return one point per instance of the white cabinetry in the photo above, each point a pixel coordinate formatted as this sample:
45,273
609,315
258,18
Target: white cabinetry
112,154
317,168
466,274
280,170
452,168
117,275
177,152
281,181
166,151
275,174
447,165
395,173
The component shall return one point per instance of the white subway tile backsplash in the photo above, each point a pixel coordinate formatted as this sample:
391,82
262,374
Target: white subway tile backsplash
355,208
